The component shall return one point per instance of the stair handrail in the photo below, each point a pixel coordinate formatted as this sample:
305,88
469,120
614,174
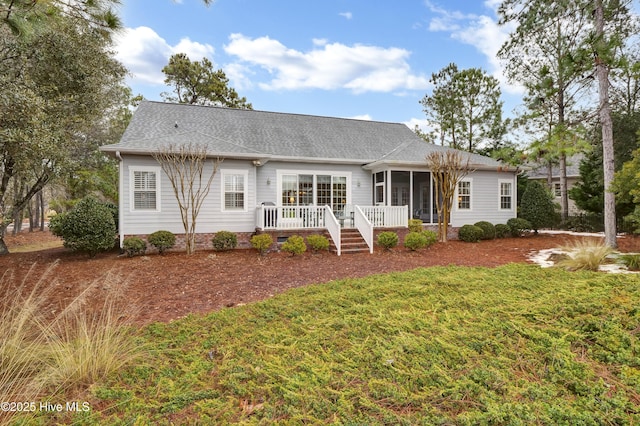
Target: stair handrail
333,226
364,226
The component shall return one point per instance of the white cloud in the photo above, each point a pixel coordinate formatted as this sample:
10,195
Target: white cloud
347,15
145,53
365,117
479,31
422,124
327,66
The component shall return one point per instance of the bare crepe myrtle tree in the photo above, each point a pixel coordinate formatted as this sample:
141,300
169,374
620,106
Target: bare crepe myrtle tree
447,168
185,166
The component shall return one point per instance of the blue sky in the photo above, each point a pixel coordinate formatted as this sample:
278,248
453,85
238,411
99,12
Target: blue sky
367,59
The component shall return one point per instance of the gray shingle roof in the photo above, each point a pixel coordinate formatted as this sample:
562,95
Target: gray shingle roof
259,134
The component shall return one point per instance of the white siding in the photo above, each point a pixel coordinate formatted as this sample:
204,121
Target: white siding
485,200
360,179
211,217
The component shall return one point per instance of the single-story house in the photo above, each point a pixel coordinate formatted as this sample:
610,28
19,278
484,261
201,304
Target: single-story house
549,175
282,172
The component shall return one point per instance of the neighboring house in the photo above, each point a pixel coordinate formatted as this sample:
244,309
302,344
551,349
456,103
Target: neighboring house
550,177
284,172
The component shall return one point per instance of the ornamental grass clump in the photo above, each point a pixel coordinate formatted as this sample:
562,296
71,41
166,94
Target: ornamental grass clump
631,261
584,255
55,355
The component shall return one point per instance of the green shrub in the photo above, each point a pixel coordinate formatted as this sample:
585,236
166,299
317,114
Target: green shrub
388,239
415,241
89,227
470,233
415,225
262,243
134,245
294,245
537,206
518,226
431,236
318,242
488,229
631,261
224,240
503,231
162,240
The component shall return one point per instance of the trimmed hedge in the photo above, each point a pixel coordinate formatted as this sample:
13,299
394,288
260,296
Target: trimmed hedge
503,231
470,233
224,240
133,246
415,241
162,240
488,229
518,226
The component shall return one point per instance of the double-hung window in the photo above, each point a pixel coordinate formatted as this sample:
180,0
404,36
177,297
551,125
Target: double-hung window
145,186
464,195
506,195
235,190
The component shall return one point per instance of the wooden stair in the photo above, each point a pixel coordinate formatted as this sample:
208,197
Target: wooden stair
351,242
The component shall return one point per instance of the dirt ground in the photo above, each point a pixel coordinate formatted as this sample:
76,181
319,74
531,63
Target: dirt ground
170,286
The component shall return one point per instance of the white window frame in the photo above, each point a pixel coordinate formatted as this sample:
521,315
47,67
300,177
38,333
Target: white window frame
132,188
234,172
315,174
470,195
500,196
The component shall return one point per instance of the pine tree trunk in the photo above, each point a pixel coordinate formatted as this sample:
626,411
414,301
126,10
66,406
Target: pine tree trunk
602,74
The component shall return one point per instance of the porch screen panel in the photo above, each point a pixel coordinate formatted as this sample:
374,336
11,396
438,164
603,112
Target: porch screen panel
339,193
144,190
323,189
289,190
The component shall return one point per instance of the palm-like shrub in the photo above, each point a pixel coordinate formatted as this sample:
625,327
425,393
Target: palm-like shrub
162,240
89,227
388,240
584,255
294,245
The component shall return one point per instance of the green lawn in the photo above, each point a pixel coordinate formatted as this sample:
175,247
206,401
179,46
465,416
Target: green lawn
511,345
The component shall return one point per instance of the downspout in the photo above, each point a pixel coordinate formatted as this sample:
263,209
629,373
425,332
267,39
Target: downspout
120,192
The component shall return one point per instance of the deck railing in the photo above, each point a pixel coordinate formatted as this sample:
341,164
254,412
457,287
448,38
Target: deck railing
316,217
364,226
333,227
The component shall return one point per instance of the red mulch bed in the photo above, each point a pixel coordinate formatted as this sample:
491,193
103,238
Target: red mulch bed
167,287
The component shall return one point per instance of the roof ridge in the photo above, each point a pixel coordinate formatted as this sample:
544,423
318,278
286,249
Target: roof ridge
273,112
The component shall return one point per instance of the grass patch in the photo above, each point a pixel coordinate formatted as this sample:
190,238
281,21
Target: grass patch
512,345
